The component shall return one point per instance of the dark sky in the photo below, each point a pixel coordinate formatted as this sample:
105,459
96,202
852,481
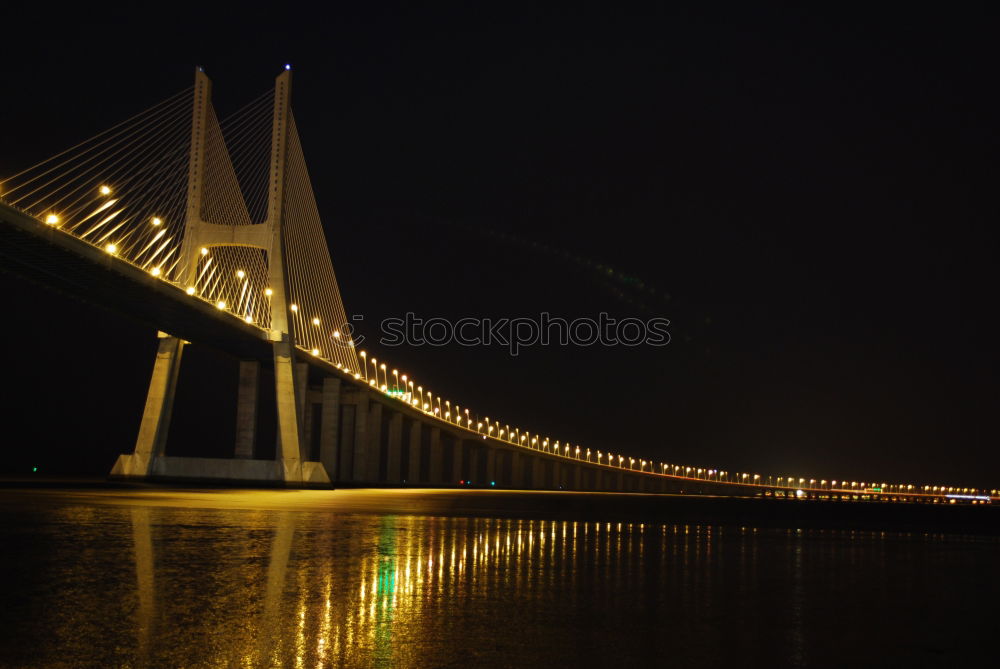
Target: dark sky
809,197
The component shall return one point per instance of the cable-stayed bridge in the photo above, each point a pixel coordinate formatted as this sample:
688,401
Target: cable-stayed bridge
209,231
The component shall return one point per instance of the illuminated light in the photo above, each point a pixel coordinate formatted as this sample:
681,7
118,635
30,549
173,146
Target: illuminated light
204,251
156,221
336,334
155,271
240,274
190,290
288,66
315,351
357,376
111,248
248,319
221,304
105,190
294,307
315,321
371,382
268,292
52,219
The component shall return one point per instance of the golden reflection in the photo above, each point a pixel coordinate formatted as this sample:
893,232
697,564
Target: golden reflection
142,543
317,589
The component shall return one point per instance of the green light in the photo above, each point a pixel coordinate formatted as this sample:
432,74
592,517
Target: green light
493,482
34,469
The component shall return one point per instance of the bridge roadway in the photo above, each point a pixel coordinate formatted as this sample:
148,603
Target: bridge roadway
362,437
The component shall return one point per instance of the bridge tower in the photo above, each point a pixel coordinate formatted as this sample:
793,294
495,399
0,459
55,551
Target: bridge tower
149,457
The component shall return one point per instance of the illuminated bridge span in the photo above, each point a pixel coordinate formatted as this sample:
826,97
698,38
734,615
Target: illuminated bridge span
209,231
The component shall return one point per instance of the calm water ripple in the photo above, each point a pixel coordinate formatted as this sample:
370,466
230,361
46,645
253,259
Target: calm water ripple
250,579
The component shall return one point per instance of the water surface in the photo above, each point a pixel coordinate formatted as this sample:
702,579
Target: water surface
171,578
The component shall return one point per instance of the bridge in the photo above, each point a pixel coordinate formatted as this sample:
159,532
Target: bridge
209,232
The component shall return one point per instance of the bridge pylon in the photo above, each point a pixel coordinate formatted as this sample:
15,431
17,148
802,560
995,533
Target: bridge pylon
200,233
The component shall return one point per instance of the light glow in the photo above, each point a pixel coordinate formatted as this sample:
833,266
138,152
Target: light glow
52,219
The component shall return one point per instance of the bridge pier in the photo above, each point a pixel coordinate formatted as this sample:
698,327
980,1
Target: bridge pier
394,454
374,445
247,394
435,460
490,454
330,426
361,420
416,430
151,442
456,460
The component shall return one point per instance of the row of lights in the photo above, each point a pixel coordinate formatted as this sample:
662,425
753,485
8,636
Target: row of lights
517,438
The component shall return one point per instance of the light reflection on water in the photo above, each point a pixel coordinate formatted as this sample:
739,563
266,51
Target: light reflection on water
122,584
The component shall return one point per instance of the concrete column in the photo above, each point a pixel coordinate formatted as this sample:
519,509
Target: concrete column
152,439
330,426
537,473
620,483
415,433
361,436
435,458
456,461
577,474
374,440
394,455
472,466
490,454
289,411
516,470
301,385
246,408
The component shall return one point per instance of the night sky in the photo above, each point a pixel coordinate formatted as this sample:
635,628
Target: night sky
809,197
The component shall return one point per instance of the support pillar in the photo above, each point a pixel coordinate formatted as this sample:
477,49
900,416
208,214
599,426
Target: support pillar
152,440
456,461
330,426
374,441
394,454
537,473
361,436
435,460
620,481
490,454
577,474
516,470
246,408
415,433
289,416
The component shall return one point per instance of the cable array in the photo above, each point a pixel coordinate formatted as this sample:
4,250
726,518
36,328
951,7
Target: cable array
318,315
122,191
125,191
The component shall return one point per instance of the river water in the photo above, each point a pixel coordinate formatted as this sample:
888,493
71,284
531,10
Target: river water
192,578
